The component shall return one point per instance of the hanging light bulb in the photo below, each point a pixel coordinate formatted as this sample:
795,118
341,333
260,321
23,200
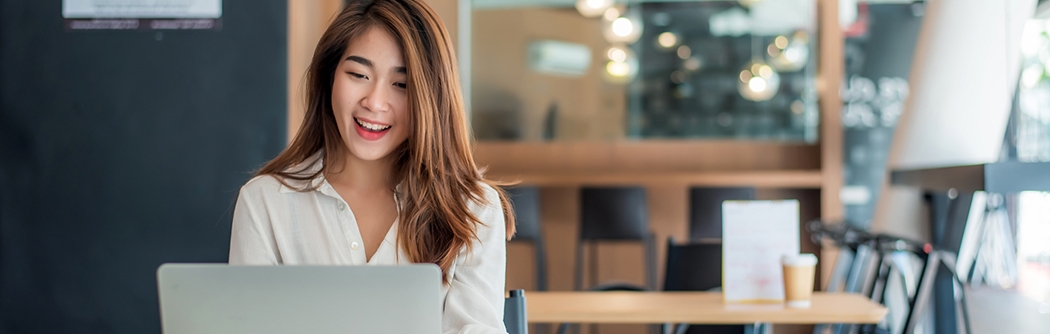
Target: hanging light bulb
758,81
621,65
667,40
692,64
684,52
789,54
611,14
593,8
623,29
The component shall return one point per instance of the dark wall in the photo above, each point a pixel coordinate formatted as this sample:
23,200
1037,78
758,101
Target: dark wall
891,40
122,150
884,52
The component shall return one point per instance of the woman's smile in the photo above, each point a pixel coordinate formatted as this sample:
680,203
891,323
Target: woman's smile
370,131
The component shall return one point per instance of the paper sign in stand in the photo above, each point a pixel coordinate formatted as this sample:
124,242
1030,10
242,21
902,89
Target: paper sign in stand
755,234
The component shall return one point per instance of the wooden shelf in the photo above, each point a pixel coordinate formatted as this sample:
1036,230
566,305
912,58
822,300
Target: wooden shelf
647,156
801,179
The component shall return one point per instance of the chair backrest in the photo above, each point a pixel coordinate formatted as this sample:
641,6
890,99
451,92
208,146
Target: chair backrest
515,317
613,213
705,209
526,202
695,266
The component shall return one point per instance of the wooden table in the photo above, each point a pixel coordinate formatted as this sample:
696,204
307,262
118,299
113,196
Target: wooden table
618,307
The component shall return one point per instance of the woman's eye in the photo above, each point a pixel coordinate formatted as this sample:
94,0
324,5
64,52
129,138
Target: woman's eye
357,75
401,85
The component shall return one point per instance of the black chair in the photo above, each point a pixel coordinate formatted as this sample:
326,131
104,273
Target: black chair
696,266
515,317
526,202
705,209
614,214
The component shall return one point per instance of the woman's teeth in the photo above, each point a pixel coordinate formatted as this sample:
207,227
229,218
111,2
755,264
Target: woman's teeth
371,126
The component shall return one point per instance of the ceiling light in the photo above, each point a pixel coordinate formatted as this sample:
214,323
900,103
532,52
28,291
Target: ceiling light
684,52
758,82
616,53
789,54
617,69
625,29
622,27
667,39
621,65
593,8
692,64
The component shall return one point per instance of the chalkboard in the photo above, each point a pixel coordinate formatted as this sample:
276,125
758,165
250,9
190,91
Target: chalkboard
122,150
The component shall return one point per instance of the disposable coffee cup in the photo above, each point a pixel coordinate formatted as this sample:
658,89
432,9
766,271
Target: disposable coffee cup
798,279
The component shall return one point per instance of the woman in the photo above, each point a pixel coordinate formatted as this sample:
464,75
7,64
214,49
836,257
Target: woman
381,171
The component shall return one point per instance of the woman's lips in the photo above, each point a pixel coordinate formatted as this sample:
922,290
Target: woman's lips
367,133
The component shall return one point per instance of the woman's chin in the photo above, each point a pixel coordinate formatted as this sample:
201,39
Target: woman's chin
368,153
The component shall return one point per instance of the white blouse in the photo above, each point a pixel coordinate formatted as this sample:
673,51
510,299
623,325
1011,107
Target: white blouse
274,224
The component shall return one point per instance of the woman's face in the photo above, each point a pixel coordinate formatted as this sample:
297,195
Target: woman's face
369,96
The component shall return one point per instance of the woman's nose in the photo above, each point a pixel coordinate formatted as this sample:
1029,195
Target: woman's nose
376,99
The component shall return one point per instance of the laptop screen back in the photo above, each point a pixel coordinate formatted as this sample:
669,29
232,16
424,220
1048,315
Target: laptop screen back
218,298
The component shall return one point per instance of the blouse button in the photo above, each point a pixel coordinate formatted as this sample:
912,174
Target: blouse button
354,245
342,206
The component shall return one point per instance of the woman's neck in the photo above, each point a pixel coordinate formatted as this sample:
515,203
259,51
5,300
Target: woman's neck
361,175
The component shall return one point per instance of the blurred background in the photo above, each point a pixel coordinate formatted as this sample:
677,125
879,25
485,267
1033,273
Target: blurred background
124,141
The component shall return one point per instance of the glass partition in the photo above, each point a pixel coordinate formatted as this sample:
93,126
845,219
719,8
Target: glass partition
564,70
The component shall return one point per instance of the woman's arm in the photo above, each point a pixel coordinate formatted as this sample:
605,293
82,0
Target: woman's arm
474,303
251,238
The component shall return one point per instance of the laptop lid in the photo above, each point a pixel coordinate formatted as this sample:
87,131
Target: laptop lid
219,298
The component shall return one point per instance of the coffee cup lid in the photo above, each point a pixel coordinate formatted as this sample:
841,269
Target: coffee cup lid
799,259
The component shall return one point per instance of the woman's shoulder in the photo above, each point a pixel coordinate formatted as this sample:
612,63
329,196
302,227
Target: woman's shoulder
488,199
261,185
296,181
489,211
301,175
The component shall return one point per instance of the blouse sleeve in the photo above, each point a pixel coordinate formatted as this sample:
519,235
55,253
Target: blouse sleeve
251,238
474,303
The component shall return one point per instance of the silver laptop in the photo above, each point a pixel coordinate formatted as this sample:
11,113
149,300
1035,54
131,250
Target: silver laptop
219,298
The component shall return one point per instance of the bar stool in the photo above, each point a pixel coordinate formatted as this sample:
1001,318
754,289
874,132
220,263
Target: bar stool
614,214
526,202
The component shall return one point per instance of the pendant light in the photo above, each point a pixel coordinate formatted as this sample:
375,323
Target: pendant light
757,81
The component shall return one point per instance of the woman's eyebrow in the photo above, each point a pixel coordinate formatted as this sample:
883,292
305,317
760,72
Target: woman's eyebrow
360,60
366,62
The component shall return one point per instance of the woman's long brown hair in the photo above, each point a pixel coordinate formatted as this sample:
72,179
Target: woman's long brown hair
435,165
